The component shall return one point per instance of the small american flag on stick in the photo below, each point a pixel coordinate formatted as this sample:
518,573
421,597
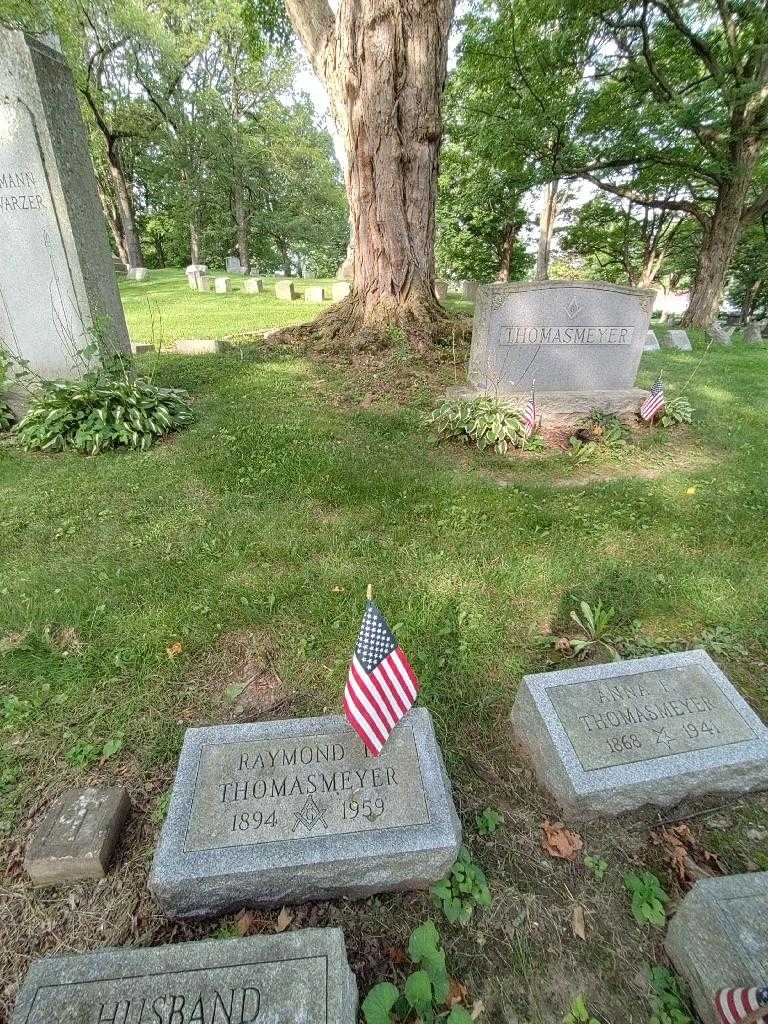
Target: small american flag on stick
529,413
381,685
742,1005
654,403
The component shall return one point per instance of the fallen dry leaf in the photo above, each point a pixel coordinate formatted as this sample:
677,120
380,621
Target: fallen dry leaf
396,955
457,993
284,918
243,922
686,855
174,650
577,923
559,841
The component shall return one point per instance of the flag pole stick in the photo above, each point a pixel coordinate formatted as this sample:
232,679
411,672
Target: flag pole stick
369,592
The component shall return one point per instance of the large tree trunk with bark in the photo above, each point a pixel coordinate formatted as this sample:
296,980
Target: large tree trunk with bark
508,242
547,216
384,67
650,271
124,201
113,220
749,300
240,214
194,241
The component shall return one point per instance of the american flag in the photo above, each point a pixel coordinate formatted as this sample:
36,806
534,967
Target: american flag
381,685
529,414
654,402
739,1005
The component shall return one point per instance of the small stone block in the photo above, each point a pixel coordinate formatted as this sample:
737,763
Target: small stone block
199,346
270,813
78,835
441,290
604,739
285,290
340,290
140,274
141,349
253,285
298,976
719,938
204,282
651,342
222,285
679,339
314,293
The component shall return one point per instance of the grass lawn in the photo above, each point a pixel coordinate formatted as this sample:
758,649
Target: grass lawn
142,592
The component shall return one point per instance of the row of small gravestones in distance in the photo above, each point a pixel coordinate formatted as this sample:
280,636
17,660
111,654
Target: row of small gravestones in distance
273,813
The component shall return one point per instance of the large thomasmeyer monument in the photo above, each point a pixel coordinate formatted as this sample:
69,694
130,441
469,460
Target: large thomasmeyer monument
56,277
579,342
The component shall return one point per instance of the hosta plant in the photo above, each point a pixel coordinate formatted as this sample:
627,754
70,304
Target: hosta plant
488,422
677,410
106,409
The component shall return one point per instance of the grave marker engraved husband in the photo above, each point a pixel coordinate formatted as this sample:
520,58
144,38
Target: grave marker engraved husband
609,738
277,812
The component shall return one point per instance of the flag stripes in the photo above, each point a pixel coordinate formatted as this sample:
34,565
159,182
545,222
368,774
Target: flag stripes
739,1005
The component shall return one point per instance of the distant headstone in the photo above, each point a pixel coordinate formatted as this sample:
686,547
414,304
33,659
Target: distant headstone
253,285
77,837
199,346
581,342
651,342
56,272
679,339
346,271
139,348
719,334
298,976
204,283
140,274
283,812
753,333
222,285
314,293
194,272
340,290
285,290
233,265
469,290
441,290
118,266
719,938
604,739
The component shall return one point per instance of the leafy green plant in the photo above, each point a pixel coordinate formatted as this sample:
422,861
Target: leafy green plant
667,1002
599,430
488,822
465,888
579,1013
648,898
426,989
721,640
108,408
488,422
595,624
677,410
84,753
596,866
6,416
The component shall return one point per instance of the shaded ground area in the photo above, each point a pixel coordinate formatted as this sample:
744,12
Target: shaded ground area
221,576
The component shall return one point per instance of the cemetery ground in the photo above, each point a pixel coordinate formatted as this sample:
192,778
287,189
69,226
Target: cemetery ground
220,577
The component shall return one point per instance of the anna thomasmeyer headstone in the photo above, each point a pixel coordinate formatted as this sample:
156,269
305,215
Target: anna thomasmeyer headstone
604,739
282,812
56,273
299,976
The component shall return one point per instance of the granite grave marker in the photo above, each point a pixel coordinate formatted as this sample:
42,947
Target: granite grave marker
314,293
285,290
651,342
753,333
298,976
679,339
469,290
605,739
340,290
720,334
253,285
270,813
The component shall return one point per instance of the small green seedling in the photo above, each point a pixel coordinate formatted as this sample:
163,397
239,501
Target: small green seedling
648,898
666,999
596,866
579,1014
489,821
464,889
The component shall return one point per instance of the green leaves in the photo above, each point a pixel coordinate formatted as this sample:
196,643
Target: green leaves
424,949
667,1000
418,992
677,410
648,898
596,865
489,422
579,1013
489,821
465,888
377,1005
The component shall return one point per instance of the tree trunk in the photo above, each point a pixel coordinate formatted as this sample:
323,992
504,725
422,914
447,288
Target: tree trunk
748,302
508,241
384,66
240,214
113,220
194,242
651,268
719,242
546,229
124,201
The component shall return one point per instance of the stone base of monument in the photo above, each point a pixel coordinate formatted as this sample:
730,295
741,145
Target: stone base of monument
298,976
604,739
284,812
719,938
563,408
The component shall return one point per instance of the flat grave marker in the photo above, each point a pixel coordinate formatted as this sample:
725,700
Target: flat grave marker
719,938
285,290
282,812
298,976
77,836
199,346
679,339
605,739
314,293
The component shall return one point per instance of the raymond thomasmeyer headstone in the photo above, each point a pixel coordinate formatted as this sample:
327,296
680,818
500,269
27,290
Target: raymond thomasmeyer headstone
719,938
651,342
678,339
604,739
77,837
283,812
298,976
56,274
579,342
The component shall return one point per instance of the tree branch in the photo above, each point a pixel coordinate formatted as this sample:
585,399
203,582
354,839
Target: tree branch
315,25
662,204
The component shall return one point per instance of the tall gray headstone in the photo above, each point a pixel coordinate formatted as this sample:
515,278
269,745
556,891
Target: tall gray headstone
580,342
283,812
604,739
299,976
719,938
57,279
679,339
